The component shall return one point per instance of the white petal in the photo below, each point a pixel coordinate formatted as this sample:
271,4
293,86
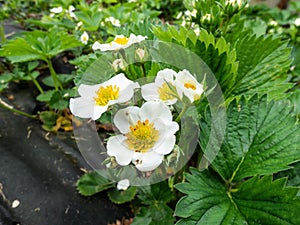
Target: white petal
126,87
147,161
98,111
96,46
149,92
127,117
101,47
167,75
153,110
135,39
117,148
120,80
81,107
127,93
88,91
165,128
123,184
165,145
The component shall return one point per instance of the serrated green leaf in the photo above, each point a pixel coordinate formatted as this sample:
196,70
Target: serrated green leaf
92,183
216,53
58,102
19,50
261,138
38,45
120,197
159,192
257,201
263,66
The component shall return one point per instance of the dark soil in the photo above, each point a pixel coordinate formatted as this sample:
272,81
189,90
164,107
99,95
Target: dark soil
40,171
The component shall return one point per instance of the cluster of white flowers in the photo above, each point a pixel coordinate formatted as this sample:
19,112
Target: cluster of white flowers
234,2
170,86
147,133
59,9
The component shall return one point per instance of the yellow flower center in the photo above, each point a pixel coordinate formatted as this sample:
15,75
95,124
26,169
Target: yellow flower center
142,136
121,40
165,93
189,85
105,94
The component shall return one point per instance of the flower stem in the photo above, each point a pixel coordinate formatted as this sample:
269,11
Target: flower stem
4,105
38,86
143,69
56,81
185,107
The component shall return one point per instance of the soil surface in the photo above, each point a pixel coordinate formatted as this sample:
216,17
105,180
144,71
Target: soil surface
40,172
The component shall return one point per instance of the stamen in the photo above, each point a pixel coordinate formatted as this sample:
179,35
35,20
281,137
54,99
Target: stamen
142,136
121,40
165,93
105,94
189,85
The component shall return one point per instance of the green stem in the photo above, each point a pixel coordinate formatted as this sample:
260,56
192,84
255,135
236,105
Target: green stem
2,34
56,81
4,105
38,86
185,107
143,69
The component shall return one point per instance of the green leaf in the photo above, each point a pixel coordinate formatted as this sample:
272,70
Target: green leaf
58,102
216,53
263,66
92,183
158,213
19,50
64,79
120,197
159,192
256,201
38,45
5,78
261,138
46,96
48,118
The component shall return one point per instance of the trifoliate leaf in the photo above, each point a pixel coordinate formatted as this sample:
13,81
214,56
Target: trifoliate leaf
120,197
209,200
38,45
92,183
261,138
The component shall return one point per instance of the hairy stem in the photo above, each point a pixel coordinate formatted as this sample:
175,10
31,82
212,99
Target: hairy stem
4,105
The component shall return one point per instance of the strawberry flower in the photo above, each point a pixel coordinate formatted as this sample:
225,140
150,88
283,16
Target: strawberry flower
163,88
119,42
94,100
147,134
